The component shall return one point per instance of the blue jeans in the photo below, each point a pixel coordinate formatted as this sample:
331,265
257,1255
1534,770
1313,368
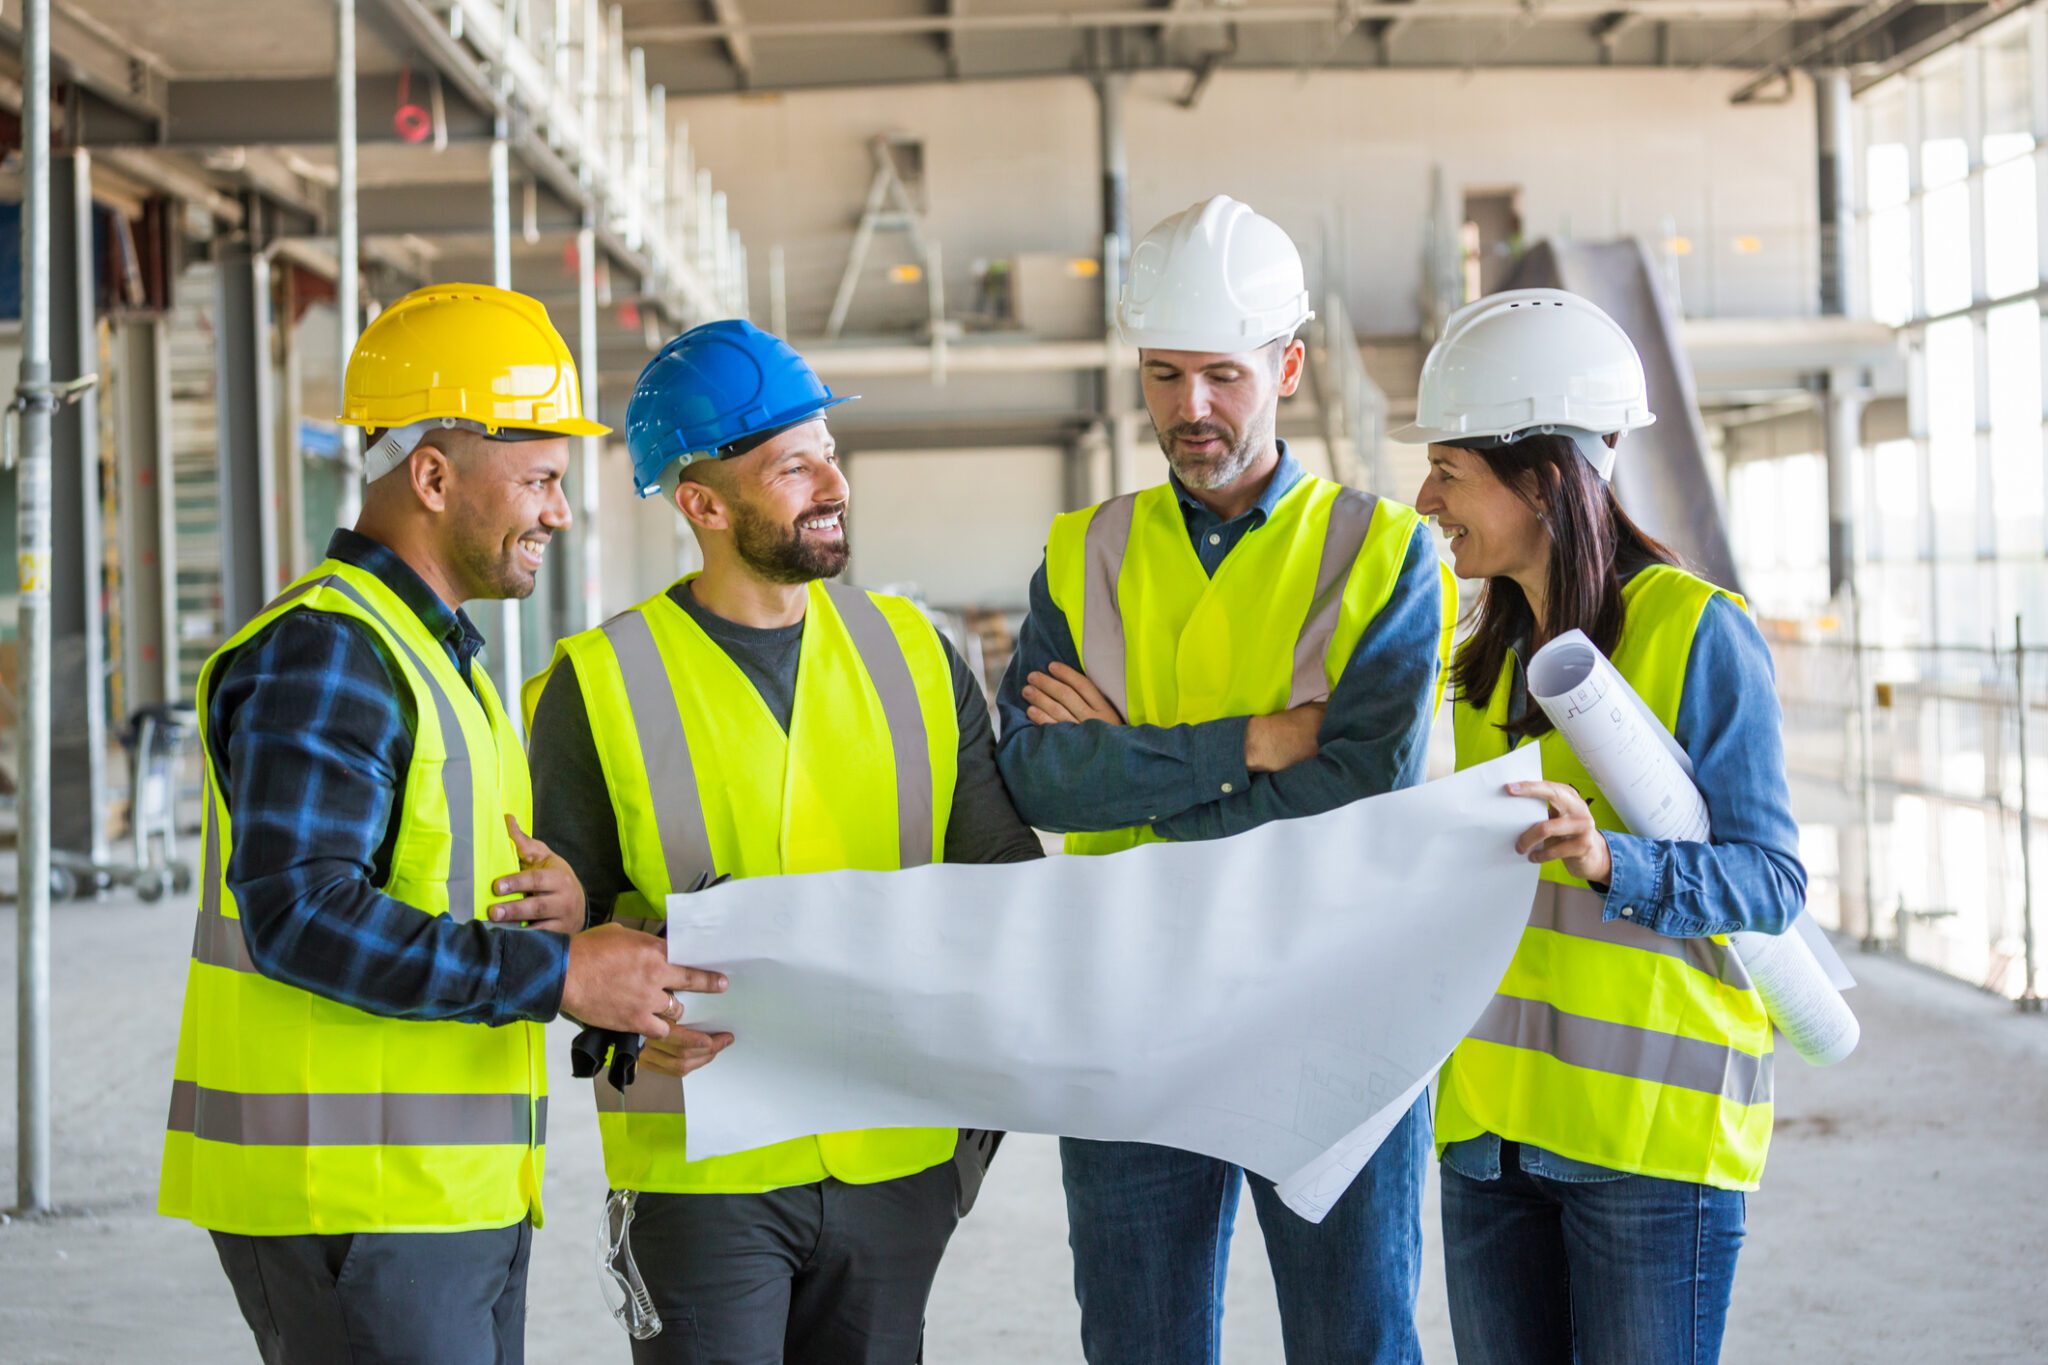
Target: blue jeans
1625,1270
1150,1228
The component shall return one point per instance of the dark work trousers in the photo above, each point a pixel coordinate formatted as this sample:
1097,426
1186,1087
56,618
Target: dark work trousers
822,1274
383,1298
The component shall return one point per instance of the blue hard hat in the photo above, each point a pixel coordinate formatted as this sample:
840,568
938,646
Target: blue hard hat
712,387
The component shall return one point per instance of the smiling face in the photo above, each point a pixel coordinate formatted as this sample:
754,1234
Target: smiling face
1214,413
786,505
505,503
1492,531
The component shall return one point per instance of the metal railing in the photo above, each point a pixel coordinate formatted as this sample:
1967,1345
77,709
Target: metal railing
568,69
1354,408
1909,768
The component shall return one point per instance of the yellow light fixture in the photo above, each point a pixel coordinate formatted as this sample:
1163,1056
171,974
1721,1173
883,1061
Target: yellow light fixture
1679,246
1084,267
1748,246
906,274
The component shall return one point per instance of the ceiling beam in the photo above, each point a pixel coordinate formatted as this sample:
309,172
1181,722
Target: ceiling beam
885,26
949,40
739,47
199,114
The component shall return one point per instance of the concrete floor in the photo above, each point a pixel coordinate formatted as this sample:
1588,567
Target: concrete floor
1904,1218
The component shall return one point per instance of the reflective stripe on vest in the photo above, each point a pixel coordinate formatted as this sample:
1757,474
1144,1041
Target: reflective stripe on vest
1625,1050
643,1126
389,1119
1108,541
1579,911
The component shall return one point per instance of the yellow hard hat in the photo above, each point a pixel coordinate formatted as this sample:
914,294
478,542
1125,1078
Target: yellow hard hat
468,353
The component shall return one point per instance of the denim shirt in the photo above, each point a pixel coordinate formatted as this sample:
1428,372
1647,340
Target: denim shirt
1748,877
1189,781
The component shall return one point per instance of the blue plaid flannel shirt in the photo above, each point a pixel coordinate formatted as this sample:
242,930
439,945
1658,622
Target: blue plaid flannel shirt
312,729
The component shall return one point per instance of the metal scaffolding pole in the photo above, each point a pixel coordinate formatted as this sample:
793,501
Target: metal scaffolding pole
78,617
34,401
507,644
589,448
348,249
248,463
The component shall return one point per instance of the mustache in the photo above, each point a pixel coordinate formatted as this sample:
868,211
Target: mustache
823,509
1200,431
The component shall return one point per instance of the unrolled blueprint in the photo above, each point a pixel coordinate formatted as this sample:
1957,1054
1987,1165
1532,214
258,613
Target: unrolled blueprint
1276,999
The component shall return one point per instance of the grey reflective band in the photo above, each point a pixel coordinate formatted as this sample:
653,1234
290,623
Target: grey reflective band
889,670
357,1120
1104,654
1625,1050
650,1093
1580,913
664,750
1343,541
218,941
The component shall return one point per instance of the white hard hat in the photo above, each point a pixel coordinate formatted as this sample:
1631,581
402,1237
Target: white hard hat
1528,362
1214,277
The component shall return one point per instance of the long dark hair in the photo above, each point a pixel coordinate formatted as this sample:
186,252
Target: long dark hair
1594,547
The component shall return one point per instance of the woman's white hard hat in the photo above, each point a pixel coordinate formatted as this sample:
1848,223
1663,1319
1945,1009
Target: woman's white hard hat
1529,362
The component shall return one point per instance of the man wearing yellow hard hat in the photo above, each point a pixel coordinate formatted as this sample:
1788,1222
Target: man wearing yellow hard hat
359,1102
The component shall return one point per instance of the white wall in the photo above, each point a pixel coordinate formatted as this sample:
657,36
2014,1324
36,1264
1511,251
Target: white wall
967,528
1340,157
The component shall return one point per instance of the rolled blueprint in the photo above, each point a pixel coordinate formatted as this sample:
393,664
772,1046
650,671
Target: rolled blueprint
1647,778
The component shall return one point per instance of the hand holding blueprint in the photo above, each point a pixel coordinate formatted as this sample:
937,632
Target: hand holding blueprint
1647,778
1276,999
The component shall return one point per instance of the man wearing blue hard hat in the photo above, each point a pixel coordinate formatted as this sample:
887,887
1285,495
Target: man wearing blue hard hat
753,719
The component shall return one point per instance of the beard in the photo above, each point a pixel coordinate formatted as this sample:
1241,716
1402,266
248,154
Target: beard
490,564
1218,470
780,552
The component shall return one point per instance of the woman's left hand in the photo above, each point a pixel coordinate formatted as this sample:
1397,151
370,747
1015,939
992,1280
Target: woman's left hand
1568,836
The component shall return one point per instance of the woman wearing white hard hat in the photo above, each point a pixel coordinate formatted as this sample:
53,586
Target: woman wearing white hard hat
1602,1122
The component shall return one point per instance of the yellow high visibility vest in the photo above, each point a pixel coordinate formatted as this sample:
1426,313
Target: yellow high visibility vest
1608,1043
1274,628
292,1113
703,780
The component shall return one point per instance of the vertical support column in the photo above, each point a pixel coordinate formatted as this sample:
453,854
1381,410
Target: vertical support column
32,915
149,578
1841,387
290,475
1836,115
590,449
78,734
348,249
1117,398
1116,169
248,495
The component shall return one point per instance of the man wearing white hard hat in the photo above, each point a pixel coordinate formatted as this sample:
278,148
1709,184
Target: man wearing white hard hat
1243,642
1602,1121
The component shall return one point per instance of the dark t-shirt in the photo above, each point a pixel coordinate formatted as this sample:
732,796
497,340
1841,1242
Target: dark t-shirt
572,813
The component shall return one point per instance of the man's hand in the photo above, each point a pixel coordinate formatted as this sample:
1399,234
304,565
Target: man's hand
550,897
683,1051
1065,695
620,978
1283,739
1569,836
